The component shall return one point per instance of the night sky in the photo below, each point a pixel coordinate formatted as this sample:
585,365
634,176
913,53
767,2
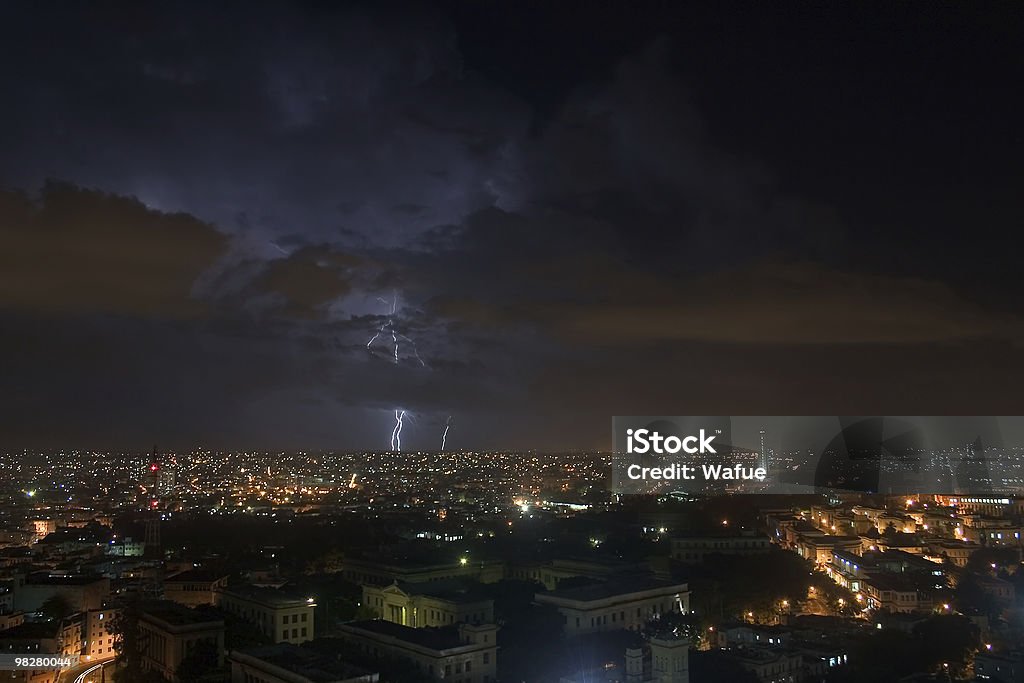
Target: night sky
576,210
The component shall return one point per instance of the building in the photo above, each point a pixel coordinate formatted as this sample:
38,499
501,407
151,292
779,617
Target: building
551,572
770,665
465,652
895,593
82,592
282,616
431,603
11,619
991,506
620,604
750,634
818,547
169,632
693,549
194,587
999,589
956,552
31,638
365,572
660,659
126,547
287,663
99,638
670,661
1008,667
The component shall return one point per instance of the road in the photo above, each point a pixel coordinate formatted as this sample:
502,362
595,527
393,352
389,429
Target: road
83,673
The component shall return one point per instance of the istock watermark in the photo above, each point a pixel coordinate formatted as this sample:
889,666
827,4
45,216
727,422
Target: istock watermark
646,440
688,455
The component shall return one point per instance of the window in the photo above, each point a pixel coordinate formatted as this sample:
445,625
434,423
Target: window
487,658
469,666
447,670
304,615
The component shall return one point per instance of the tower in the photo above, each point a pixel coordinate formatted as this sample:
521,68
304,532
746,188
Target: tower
670,660
763,461
150,483
634,665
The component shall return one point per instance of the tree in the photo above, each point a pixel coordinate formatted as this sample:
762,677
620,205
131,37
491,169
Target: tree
948,639
202,660
127,641
56,607
715,666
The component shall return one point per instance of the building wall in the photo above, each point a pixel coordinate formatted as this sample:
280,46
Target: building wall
288,622
99,639
474,662
628,611
694,549
249,669
29,597
420,611
165,646
193,593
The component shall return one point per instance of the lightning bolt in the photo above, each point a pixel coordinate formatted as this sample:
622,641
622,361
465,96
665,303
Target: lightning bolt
444,434
389,326
396,433
415,351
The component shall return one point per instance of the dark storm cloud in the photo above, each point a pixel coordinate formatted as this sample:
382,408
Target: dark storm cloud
271,124
602,302
346,173
635,152
76,251
307,280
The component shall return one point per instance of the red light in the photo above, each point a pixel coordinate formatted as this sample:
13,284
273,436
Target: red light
154,467
154,503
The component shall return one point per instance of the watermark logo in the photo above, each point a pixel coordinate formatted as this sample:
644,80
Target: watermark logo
651,441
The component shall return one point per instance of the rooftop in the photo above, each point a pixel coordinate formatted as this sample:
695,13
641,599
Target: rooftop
175,614
443,638
195,576
609,589
43,579
451,590
314,666
274,597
